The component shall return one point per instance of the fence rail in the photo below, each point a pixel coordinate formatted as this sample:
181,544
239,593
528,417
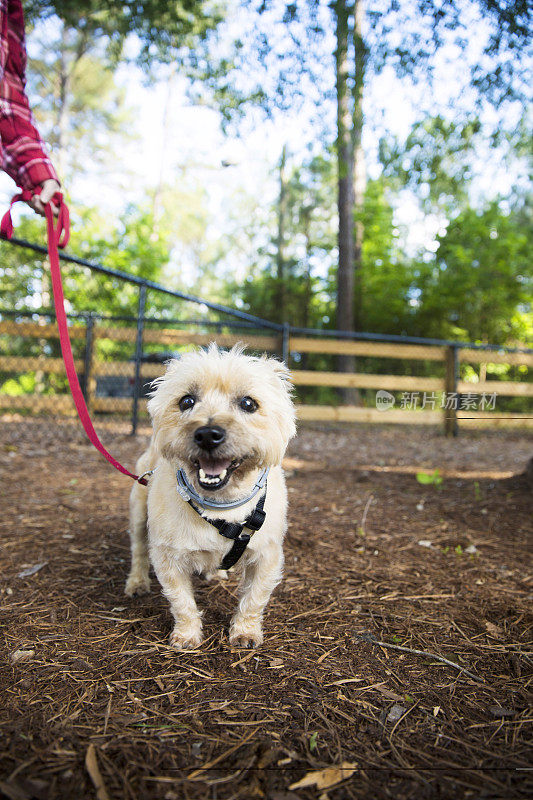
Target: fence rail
100,366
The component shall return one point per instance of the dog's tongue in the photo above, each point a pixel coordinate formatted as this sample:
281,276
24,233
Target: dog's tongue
213,466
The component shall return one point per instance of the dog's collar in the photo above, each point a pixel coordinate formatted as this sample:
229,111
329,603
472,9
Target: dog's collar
235,530
188,493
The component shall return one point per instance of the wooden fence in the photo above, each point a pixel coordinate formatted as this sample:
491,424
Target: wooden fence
423,401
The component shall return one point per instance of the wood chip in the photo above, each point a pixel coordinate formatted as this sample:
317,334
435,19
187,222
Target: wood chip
324,778
21,655
25,573
93,769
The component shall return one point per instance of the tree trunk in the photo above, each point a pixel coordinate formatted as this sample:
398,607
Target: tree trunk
157,209
346,196
280,245
62,107
308,296
70,54
359,169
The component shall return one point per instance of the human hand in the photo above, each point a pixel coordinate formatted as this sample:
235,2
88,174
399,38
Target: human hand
39,201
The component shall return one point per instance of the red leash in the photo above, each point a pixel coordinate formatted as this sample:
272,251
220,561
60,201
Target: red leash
58,236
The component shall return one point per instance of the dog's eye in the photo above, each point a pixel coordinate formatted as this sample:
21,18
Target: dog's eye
186,402
248,404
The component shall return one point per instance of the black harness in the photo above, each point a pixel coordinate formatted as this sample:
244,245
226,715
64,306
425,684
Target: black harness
235,531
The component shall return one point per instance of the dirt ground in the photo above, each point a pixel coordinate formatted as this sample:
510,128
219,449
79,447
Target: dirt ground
93,699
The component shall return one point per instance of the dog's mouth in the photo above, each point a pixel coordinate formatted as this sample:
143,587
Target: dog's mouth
214,473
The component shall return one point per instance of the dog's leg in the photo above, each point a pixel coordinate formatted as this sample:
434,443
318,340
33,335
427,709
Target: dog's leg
259,581
215,575
139,580
177,588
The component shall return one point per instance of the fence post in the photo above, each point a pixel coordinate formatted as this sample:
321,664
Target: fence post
138,357
450,388
285,336
88,359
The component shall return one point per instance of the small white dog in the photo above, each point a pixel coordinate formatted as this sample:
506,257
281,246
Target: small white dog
221,425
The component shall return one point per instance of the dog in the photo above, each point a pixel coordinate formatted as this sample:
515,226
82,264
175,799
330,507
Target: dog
221,421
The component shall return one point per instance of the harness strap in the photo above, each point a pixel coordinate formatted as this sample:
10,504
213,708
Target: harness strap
235,531
58,236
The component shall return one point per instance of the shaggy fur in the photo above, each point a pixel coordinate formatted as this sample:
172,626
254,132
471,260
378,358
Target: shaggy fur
165,530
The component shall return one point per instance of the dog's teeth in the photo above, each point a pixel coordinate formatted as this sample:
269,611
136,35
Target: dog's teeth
207,479
204,478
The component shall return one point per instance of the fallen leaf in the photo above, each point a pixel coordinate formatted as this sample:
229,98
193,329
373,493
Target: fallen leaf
32,570
268,756
21,655
388,694
494,630
396,712
325,655
324,778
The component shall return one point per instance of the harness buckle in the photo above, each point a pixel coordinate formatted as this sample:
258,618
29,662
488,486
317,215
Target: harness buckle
231,530
255,520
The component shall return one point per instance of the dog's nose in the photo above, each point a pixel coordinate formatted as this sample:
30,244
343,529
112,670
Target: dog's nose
209,436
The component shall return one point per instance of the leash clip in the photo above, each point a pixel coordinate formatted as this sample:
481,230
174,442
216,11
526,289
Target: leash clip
142,478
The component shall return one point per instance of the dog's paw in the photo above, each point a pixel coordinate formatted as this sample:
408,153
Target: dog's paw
243,634
137,585
185,638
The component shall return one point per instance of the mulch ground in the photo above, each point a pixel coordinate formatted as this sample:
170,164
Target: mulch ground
93,699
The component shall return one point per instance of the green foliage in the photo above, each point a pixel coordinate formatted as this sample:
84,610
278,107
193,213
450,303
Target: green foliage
127,245
309,241
430,479
23,384
479,287
21,270
80,105
435,161
165,30
385,271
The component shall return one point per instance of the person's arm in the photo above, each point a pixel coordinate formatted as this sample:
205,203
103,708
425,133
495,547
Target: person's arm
24,156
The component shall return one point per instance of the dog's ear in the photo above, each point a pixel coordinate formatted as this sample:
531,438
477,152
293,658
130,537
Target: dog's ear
279,368
157,394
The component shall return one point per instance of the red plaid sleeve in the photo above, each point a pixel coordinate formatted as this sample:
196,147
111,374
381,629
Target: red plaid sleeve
22,151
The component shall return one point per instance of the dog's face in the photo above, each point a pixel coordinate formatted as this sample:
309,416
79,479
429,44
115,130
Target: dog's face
220,416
